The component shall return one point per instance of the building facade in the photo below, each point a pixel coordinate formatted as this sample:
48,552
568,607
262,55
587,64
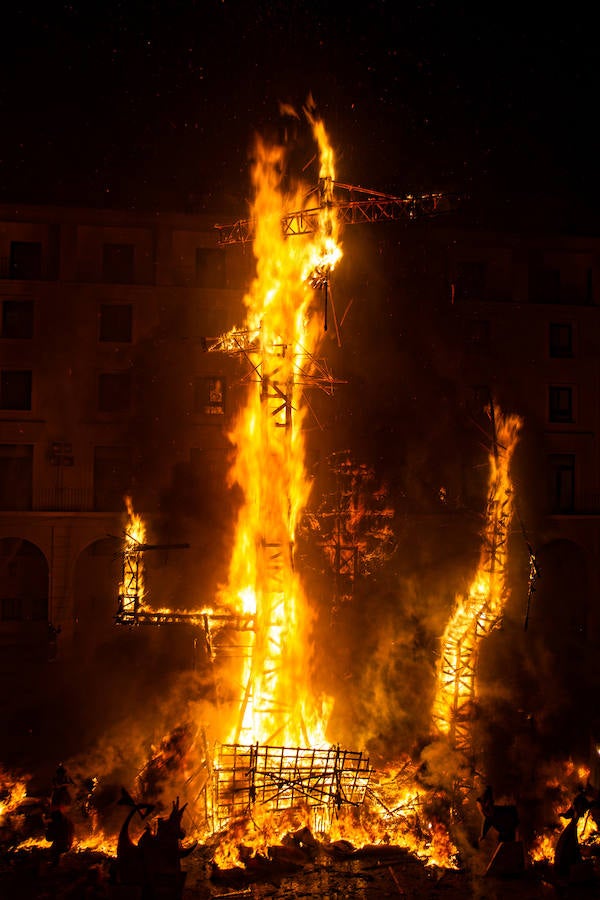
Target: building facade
106,391
105,388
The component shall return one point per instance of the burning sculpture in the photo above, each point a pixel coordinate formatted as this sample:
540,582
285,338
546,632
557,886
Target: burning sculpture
273,754
479,612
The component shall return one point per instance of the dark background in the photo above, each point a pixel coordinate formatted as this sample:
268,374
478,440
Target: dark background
153,105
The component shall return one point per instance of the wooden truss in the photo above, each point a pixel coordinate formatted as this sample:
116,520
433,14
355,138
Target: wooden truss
353,205
281,778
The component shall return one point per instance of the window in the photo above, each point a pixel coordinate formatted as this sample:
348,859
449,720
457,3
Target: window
16,476
115,322
114,392
61,454
15,389
210,268
209,396
17,319
561,482
560,404
25,260
112,477
118,263
561,339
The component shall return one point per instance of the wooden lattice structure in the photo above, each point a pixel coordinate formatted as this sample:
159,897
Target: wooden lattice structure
479,611
351,205
281,778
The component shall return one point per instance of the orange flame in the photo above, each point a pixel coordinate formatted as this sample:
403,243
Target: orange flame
132,586
476,614
12,792
269,465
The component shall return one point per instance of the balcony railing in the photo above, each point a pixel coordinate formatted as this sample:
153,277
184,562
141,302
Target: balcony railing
64,500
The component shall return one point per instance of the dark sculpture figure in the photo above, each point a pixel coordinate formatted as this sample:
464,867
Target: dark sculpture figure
503,818
508,858
61,794
568,851
60,830
155,861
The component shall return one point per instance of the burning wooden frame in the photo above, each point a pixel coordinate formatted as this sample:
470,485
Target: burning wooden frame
281,778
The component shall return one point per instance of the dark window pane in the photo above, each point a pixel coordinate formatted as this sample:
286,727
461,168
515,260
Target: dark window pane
17,319
16,476
25,260
560,404
112,477
561,482
114,392
209,396
118,263
210,268
115,322
15,389
561,339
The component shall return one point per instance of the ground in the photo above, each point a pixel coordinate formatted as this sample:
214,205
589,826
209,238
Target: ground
364,875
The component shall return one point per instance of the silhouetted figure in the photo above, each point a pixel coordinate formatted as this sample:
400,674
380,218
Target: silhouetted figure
503,818
60,832
156,858
509,856
568,851
61,795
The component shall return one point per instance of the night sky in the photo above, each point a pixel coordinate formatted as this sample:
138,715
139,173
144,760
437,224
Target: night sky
153,105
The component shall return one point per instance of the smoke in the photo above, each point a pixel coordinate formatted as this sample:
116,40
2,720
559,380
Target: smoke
157,753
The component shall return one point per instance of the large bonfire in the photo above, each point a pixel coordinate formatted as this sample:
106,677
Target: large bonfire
267,699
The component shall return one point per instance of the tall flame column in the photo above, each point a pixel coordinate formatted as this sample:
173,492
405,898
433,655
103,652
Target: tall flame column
286,328
479,612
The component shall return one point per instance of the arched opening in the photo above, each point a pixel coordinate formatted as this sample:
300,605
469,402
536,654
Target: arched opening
120,674
24,583
25,644
95,589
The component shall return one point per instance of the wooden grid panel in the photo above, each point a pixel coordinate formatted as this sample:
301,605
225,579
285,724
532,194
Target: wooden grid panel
280,778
